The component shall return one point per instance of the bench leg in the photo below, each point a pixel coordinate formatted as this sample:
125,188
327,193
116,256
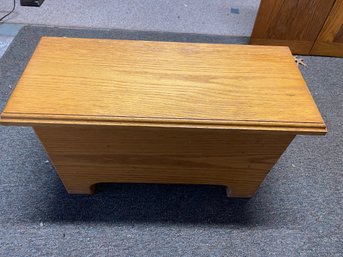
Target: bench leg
242,189
78,187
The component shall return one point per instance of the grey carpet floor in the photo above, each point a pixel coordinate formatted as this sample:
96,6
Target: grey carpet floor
7,33
298,210
197,16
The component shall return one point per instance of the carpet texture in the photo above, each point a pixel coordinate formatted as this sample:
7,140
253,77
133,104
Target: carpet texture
298,210
220,17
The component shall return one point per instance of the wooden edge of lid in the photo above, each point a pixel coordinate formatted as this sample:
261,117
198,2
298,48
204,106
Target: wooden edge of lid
75,121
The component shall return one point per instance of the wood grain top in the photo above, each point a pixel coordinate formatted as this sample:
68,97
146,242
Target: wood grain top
142,83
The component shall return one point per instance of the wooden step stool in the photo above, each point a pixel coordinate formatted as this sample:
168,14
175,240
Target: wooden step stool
162,112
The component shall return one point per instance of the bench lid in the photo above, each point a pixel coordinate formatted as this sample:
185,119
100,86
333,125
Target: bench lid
143,83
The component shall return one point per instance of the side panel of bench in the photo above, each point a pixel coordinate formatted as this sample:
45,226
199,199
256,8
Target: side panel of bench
84,157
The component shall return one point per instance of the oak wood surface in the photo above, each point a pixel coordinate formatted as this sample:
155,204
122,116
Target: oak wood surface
84,157
330,39
139,83
295,23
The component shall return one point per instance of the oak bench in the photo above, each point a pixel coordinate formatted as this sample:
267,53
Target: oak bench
162,112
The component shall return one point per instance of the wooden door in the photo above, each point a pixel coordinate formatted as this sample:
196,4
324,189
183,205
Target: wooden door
293,23
330,39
